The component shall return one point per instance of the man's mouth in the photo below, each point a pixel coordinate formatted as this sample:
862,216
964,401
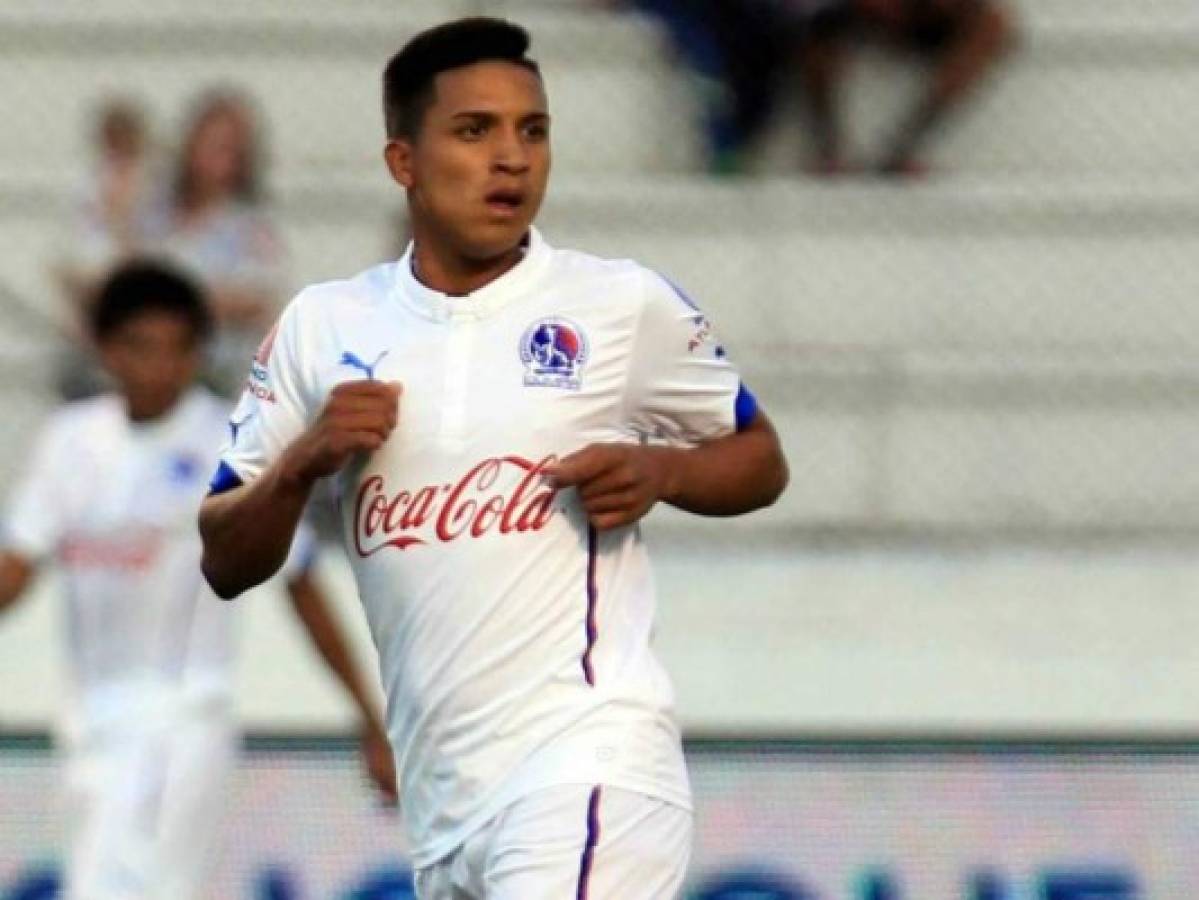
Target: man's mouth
505,201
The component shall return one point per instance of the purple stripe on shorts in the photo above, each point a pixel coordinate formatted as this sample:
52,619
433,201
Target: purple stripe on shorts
592,597
593,836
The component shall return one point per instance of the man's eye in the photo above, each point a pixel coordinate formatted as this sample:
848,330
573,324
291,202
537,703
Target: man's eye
537,132
474,130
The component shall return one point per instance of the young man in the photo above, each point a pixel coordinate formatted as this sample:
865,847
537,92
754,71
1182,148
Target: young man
549,399
110,495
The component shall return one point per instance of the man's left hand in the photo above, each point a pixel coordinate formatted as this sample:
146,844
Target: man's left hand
617,483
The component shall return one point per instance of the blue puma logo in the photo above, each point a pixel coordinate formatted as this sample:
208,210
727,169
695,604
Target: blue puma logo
354,362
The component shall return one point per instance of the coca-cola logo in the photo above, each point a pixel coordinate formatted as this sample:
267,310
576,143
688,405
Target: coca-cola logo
481,501
129,551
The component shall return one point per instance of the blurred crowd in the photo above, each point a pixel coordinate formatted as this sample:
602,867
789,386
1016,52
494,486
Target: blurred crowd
746,53
198,200
197,203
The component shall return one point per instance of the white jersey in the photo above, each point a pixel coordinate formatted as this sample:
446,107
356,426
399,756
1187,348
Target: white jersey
514,640
113,504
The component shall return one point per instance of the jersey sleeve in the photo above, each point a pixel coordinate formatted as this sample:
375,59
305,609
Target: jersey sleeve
274,409
682,387
35,518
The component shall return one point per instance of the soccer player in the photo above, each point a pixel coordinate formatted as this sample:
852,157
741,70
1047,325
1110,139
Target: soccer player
110,495
549,399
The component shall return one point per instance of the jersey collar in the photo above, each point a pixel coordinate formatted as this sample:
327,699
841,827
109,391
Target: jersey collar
170,421
478,304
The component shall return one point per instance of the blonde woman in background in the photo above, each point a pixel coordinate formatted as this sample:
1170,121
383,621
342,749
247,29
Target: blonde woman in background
211,220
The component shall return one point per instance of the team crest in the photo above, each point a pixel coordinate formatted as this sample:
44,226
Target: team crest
554,352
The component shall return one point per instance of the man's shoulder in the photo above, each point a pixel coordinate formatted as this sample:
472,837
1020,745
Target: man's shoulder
79,423
369,287
77,416
612,281
571,264
202,407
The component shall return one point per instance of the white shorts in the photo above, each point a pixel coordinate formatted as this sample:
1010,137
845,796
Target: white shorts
144,806
570,842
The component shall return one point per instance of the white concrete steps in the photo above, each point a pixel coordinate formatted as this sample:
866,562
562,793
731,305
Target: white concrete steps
1105,95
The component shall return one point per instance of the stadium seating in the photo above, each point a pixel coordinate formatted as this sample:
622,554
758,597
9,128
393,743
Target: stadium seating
1004,348
1080,97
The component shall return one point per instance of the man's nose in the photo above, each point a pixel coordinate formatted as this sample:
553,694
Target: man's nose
511,154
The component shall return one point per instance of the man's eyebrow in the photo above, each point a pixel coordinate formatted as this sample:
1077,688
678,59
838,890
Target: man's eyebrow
492,114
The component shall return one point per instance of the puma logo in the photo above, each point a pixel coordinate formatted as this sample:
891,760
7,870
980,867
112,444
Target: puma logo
354,362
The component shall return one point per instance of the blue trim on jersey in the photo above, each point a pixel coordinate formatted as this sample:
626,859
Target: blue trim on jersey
589,623
745,407
225,479
681,294
593,836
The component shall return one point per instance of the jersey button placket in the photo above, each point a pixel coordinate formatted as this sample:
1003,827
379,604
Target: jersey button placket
459,347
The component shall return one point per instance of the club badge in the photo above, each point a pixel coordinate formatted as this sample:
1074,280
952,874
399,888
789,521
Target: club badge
554,351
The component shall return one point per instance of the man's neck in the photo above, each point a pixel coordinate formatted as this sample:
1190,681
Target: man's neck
457,275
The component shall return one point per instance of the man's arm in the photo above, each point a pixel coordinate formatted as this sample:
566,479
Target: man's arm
15,574
312,608
726,476
248,530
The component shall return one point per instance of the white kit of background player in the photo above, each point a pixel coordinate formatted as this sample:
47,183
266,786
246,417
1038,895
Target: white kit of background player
148,728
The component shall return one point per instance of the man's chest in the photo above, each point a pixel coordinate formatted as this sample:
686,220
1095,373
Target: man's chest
525,377
116,485
487,405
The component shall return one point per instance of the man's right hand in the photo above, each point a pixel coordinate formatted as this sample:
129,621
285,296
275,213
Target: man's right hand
357,417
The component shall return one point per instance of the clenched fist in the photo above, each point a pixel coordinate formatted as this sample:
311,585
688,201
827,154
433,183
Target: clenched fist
357,417
617,483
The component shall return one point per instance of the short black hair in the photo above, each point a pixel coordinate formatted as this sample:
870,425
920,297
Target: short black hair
141,286
408,78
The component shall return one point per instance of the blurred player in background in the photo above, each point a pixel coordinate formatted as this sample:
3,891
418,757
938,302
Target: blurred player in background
109,495
550,399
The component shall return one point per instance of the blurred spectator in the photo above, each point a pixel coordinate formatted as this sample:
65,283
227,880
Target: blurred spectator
107,226
207,216
110,206
739,50
962,39
211,221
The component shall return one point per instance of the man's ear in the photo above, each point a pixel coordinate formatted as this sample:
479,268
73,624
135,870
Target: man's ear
398,156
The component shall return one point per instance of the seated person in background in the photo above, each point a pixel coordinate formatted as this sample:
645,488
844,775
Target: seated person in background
110,206
212,222
107,225
738,50
110,494
963,39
